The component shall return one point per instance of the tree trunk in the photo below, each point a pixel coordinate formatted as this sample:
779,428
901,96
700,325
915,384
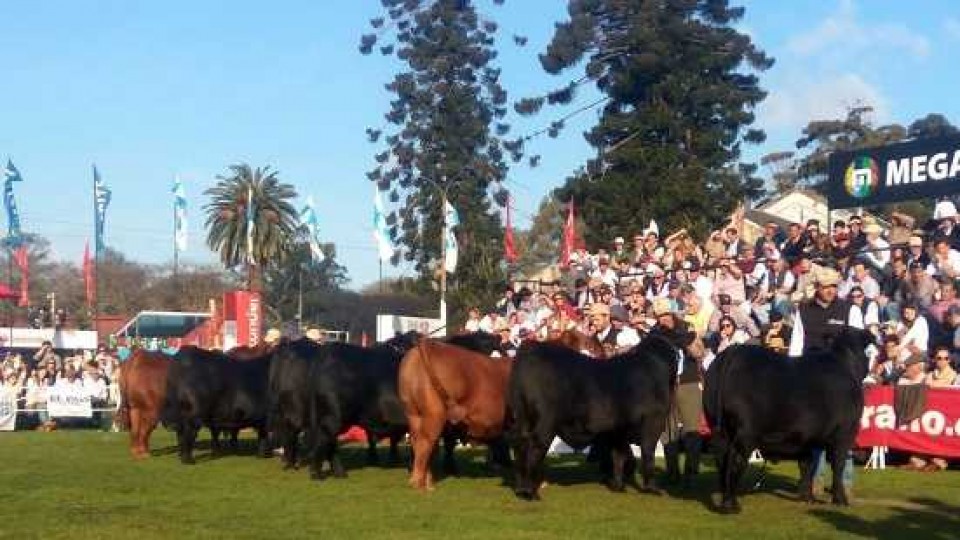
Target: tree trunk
254,281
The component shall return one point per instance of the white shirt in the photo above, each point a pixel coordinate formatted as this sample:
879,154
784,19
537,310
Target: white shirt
608,277
918,334
95,388
472,325
627,338
953,261
877,253
704,288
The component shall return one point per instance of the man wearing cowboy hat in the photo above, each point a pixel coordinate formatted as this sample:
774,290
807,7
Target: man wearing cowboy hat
604,332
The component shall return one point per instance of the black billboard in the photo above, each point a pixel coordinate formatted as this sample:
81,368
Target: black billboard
920,169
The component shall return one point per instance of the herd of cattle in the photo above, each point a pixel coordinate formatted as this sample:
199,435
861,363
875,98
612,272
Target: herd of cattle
301,395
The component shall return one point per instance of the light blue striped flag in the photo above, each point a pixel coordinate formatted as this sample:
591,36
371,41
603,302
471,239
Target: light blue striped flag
309,221
11,175
380,232
179,215
101,197
451,219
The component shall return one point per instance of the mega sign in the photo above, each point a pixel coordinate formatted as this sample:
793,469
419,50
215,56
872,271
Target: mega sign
921,169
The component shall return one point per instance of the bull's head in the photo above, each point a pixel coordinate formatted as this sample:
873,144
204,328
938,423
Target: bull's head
850,346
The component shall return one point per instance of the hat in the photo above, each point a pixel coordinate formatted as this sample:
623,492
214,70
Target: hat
654,269
501,325
915,241
915,358
618,240
599,308
272,336
619,313
827,277
313,334
724,299
945,210
872,228
916,265
661,306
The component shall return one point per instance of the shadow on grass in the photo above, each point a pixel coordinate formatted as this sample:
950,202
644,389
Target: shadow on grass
926,518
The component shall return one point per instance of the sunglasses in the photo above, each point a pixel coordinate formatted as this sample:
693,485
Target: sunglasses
726,326
942,357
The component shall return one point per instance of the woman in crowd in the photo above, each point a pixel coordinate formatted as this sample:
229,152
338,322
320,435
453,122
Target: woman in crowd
942,375
727,335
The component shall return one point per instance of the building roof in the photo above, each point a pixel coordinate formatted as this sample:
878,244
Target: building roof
162,324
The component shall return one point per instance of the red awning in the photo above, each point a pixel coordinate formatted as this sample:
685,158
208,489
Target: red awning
6,293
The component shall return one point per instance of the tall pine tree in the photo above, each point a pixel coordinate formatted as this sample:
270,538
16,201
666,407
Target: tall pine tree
443,136
681,88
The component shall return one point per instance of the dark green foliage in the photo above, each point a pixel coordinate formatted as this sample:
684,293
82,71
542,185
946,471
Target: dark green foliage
822,137
681,93
444,127
931,125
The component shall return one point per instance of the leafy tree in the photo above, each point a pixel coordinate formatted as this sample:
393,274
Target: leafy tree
443,135
284,283
820,138
679,94
275,219
931,125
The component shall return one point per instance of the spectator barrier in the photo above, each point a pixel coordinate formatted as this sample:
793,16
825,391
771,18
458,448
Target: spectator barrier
936,432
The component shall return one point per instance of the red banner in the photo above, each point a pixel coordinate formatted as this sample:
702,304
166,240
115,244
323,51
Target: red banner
936,432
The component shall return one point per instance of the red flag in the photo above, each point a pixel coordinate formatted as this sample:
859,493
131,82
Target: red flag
22,260
569,238
88,278
509,248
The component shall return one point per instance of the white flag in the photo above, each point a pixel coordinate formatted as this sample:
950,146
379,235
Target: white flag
251,212
309,221
380,232
450,220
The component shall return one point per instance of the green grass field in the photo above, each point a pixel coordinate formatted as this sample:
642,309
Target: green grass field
82,484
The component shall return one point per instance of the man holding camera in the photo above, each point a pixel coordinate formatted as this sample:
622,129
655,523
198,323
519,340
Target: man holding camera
46,354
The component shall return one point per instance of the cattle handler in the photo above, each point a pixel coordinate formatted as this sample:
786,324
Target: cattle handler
815,324
689,396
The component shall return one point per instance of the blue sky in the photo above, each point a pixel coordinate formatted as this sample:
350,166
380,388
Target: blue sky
147,90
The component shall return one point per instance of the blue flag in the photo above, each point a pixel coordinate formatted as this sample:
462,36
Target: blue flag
179,215
310,223
101,199
11,175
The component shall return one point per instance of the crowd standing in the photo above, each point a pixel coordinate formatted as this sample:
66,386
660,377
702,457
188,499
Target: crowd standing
788,290
30,375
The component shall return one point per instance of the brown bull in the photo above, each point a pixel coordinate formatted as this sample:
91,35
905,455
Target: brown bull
441,383
143,385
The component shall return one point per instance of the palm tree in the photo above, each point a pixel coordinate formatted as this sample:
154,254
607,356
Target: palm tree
274,219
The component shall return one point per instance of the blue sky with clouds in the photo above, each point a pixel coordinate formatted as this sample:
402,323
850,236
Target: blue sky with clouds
147,90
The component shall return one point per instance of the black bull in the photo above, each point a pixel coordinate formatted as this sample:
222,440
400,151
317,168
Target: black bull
207,388
624,400
786,408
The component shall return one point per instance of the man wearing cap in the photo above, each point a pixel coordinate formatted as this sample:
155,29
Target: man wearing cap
817,321
857,238
627,336
945,214
689,399
915,251
619,257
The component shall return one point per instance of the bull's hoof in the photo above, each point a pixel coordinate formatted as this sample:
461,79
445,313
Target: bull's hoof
730,508
316,475
290,466
527,495
840,501
340,474
652,489
616,487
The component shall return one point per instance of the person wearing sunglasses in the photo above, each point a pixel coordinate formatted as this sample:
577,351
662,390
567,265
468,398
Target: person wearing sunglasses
942,375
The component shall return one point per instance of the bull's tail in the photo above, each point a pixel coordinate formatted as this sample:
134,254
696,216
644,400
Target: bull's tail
455,412
123,408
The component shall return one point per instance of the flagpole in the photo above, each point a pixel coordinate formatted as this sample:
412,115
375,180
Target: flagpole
443,259
96,259
176,248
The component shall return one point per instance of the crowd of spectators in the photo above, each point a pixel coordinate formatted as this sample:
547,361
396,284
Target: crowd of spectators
901,282
29,375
